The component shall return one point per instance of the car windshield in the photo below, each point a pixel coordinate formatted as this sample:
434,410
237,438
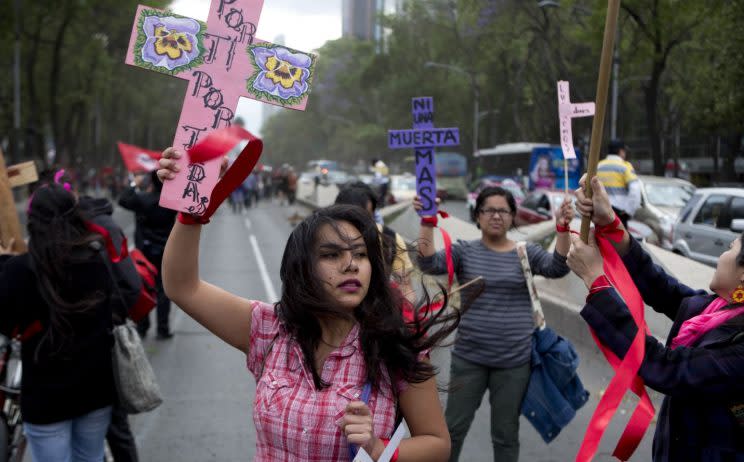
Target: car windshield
668,195
404,183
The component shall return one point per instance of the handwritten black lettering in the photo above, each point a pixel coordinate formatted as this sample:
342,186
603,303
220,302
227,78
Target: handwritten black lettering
222,114
426,196
213,99
193,136
201,80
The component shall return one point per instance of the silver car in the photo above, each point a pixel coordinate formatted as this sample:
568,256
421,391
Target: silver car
709,222
661,200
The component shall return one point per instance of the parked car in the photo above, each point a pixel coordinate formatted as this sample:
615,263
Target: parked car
339,178
540,205
402,188
712,218
661,200
489,181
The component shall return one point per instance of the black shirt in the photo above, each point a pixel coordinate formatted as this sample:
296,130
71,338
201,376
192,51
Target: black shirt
64,376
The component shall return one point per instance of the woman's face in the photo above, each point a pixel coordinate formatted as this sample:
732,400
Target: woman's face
495,217
343,266
728,274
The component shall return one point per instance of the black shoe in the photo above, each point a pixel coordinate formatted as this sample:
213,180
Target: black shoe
164,334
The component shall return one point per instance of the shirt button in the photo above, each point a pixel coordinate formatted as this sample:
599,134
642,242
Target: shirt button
550,434
356,395
304,431
273,382
532,414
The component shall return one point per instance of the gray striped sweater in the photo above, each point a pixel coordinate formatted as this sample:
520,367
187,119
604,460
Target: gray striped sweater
496,330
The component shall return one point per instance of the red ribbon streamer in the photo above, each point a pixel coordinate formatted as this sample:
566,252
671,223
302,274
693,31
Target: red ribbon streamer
626,376
218,143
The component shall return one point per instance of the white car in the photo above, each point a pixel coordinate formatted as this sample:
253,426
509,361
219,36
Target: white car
402,187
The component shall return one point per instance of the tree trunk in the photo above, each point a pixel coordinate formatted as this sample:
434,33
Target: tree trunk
58,142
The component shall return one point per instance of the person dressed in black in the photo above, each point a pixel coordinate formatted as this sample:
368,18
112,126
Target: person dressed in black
154,224
63,287
100,211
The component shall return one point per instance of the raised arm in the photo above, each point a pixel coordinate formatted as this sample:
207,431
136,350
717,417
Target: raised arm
224,314
659,290
699,373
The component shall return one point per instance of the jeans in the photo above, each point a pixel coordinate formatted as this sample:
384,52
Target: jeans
76,440
468,382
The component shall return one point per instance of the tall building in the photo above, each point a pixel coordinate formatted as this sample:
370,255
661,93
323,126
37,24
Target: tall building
360,17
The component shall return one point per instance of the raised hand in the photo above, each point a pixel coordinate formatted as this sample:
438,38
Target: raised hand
169,167
598,208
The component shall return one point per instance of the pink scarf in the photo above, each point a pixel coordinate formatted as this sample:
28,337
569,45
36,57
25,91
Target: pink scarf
709,319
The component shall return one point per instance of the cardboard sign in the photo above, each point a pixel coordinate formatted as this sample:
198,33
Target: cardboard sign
223,61
424,138
23,173
566,112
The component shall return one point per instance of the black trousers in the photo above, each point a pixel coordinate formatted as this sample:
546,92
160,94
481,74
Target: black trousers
120,437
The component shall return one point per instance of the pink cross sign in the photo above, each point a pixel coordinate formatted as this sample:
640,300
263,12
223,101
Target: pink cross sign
222,61
566,112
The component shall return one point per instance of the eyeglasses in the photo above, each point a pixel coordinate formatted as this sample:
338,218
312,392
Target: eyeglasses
490,213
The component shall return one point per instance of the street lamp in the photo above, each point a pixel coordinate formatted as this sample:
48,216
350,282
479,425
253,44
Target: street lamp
548,3
476,95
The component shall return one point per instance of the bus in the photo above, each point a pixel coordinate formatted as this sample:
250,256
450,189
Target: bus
452,174
533,165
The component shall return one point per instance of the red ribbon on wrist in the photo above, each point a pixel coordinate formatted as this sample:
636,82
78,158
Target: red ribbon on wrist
611,231
188,219
560,228
433,221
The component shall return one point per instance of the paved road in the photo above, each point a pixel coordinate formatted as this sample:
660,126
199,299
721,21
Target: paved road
208,391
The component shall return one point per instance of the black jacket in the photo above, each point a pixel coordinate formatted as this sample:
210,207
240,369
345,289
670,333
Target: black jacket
154,223
64,376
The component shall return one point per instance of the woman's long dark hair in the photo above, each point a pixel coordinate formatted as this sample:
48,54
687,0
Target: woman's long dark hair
387,340
59,238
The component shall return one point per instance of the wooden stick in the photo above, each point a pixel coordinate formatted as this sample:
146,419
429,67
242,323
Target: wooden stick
10,225
603,83
459,288
565,175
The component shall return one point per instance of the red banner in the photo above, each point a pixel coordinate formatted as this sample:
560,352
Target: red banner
137,159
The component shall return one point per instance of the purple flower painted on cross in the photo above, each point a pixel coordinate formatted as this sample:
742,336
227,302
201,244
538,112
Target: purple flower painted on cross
170,42
282,74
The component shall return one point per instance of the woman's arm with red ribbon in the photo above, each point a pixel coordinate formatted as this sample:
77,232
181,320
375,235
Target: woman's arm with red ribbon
700,373
224,314
430,261
660,291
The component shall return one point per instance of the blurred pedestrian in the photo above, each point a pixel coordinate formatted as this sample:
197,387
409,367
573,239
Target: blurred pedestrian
620,181
154,224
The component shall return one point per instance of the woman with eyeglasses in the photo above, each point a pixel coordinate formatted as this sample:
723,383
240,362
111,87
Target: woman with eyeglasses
493,344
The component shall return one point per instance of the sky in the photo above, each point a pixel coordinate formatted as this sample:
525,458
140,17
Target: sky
305,24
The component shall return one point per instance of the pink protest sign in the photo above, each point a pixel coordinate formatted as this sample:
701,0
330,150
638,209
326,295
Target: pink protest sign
566,112
222,60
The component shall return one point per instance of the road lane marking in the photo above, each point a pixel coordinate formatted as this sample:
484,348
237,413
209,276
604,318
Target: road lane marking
270,292
247,222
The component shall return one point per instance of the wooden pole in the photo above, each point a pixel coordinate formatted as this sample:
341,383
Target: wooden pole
10,225
603,84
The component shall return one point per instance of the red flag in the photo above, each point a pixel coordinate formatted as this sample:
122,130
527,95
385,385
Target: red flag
137,159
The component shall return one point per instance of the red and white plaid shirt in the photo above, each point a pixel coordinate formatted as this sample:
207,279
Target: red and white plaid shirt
294,421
